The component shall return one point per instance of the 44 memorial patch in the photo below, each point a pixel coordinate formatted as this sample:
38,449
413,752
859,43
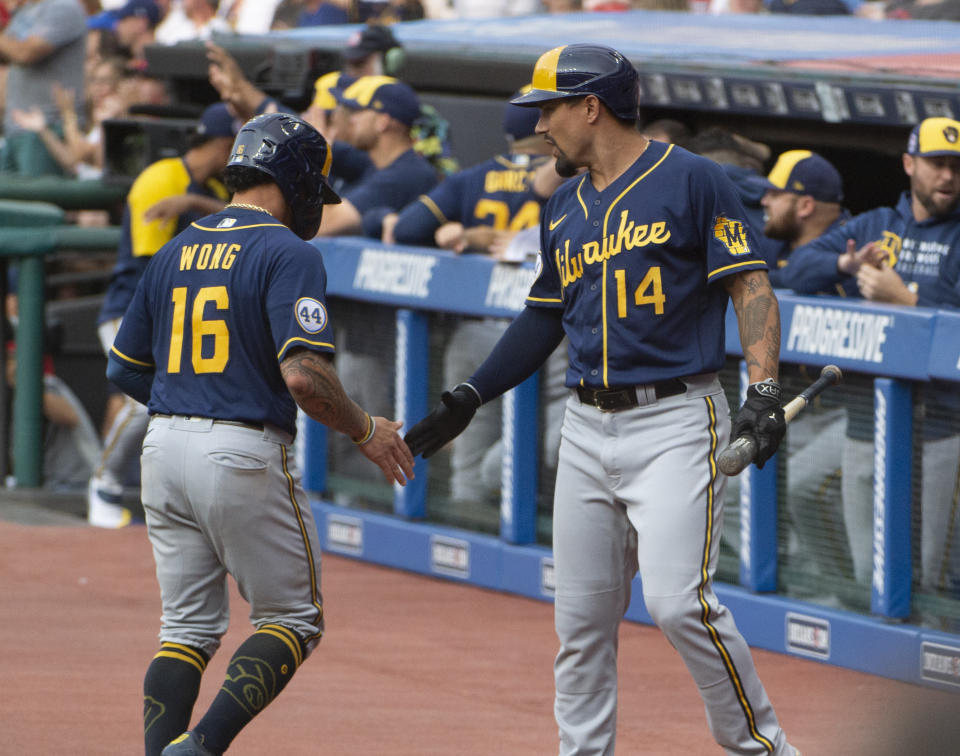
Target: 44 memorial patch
311,314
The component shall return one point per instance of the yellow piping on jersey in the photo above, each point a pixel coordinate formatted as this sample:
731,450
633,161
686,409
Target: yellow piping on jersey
704,579
196,224
586,213
433,208
735,265
544,299
311,564
606,220
301,340
129,359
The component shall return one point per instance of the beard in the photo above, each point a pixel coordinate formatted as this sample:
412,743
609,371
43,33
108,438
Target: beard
565,168
936,207
781,229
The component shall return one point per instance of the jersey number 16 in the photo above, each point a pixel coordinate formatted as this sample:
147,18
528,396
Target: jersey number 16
199,328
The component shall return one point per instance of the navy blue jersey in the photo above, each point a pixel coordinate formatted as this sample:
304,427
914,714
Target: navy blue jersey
923,252
139,240
634,268
349,167
217,310
393,186
497,192
845,288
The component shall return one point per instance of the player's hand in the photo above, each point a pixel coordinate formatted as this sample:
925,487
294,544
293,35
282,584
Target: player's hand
445,423
884,284
761,418
389,452
167,209
450,236
387,226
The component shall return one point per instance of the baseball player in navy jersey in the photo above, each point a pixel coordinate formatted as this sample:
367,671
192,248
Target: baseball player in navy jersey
226,335
194,177
907,255
638,260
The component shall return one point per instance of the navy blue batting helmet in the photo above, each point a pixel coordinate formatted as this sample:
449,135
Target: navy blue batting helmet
577,70
296,156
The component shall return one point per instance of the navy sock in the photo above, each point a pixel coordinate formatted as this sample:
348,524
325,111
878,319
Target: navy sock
258,671
170,689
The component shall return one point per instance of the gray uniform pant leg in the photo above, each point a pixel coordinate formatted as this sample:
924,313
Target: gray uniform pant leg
471,340
223,499
648,473
940,525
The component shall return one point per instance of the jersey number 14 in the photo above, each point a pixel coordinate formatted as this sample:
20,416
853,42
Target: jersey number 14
649,291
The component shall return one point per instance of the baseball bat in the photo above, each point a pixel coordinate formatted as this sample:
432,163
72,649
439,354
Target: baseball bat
741,452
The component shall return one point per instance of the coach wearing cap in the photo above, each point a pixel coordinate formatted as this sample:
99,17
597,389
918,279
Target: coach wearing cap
907,255
382,111
801,202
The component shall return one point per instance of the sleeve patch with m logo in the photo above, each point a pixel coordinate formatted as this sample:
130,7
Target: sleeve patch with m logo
732,234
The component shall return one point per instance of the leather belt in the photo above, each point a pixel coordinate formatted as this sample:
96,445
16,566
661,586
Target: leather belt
237,423
615,399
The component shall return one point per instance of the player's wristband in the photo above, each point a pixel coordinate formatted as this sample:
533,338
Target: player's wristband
371,429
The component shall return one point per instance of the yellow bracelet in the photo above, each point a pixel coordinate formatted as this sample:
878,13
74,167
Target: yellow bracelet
371,429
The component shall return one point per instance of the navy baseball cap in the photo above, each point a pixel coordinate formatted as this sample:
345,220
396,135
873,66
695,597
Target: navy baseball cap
933,137
217,121
383,94
376,38
520,122
804,172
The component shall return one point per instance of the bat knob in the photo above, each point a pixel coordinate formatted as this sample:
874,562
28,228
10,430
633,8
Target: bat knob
737,456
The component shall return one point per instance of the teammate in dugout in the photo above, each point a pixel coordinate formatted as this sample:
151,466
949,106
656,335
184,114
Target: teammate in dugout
226,334
470,211
189,184
639,258
906,255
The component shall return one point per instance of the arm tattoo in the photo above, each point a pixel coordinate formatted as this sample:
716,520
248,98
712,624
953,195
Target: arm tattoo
758,316
320,392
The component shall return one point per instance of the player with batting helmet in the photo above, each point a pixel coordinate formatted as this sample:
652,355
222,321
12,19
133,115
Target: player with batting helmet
639,257
226,334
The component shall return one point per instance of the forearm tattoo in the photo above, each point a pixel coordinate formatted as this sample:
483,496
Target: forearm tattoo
320,393
758,315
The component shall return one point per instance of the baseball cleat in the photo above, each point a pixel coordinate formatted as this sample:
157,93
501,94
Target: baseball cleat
104,508
187,744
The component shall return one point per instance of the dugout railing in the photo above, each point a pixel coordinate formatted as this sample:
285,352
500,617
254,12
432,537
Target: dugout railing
889,626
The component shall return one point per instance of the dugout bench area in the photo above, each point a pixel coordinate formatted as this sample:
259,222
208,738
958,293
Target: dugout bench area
845,87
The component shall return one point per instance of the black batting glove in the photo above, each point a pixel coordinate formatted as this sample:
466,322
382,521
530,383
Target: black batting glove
761,418
445,423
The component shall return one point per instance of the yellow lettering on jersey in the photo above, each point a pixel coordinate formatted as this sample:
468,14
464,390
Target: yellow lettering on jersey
220,257
629,236
570,268
217,255
507,181
891,244
187,253
732,234
204,259
231,255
